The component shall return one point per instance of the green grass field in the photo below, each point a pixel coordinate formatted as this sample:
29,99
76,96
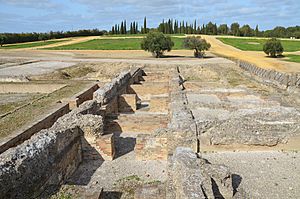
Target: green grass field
140,35
293,58
257,44
113,44
31,45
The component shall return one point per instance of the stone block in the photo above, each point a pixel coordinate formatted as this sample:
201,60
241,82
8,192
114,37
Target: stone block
73,103
105,146
127,103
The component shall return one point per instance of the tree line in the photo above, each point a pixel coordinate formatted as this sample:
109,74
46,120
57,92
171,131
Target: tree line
10,38
172,26
169,26
121,29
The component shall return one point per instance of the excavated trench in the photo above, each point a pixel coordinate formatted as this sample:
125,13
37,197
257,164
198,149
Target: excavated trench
139,111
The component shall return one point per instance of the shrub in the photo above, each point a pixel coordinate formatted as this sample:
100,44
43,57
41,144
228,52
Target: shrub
273,47
197,44
157,43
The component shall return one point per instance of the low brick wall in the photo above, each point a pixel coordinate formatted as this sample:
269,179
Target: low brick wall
44,123
48,120
83,96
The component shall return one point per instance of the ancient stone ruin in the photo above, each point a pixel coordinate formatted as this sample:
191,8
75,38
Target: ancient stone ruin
146,122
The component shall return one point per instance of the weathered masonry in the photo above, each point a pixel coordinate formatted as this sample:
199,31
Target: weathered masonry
35,160
146,117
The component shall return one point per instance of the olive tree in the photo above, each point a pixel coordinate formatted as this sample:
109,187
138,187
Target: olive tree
2,40
197,44
157,43
273,47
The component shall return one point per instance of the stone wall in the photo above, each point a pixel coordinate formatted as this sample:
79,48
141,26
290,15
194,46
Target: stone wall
280,78
50,156
31,164
48,120
116,87
43,123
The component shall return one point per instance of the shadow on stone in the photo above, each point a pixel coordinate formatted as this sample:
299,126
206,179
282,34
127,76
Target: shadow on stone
236,181
123,145
111,195
91,161
215,189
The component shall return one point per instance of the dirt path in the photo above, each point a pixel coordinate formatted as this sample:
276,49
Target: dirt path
69,42
254,57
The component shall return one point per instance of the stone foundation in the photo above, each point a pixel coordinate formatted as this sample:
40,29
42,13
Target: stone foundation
149,148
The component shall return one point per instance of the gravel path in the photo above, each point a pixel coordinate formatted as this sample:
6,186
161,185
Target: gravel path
34,68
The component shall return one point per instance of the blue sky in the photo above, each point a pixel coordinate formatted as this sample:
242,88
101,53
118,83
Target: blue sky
46,15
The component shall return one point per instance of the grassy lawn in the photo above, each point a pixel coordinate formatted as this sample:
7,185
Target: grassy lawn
113,44
257,44
293,58
140,35
32,44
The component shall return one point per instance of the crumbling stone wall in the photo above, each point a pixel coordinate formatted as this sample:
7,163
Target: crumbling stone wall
117,86
50,156
279,78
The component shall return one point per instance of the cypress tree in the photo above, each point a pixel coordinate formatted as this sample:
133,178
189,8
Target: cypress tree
256,31
125,28
198,30
122,28
186,28
145,26
136,28
175,27
195,27
113,30
131,29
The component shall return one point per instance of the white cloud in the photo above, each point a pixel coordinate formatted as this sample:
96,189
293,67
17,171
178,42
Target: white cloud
64,14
